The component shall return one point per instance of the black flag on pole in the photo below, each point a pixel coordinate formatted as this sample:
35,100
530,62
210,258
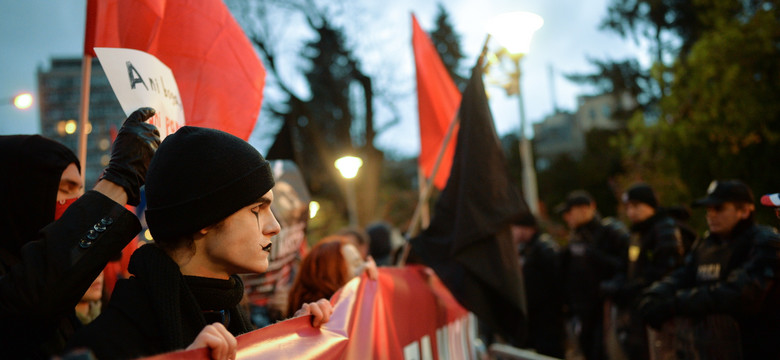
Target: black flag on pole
282,148
468,243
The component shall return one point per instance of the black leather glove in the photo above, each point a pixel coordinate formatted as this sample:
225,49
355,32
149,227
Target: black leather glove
656,310
132,151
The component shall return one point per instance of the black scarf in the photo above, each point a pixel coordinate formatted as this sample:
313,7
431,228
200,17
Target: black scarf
178,302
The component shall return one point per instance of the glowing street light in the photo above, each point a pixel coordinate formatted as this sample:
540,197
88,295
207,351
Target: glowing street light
314,207
23,101
348,167
514,32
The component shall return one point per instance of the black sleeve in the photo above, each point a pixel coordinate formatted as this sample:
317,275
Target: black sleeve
56,270
683,277
745,288
613,254
667,255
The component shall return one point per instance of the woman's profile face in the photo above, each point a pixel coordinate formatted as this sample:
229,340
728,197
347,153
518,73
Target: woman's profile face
352,258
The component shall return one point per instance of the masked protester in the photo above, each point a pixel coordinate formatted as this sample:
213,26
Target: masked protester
209,210
46,265
730,276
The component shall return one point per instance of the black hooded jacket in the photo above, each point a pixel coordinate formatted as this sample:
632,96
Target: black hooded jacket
46,267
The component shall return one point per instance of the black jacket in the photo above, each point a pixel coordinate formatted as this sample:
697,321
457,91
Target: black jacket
160,310
597,252
45,266
541,275
661,250
40,288
737,276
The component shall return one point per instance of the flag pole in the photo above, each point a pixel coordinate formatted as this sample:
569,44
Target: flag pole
86,75
414,226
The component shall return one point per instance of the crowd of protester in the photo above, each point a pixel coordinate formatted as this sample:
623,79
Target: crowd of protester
600,294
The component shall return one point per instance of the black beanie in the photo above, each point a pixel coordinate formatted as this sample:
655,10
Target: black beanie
641,193
200,176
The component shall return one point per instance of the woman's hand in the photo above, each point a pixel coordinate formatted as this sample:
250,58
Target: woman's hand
320,310
218,339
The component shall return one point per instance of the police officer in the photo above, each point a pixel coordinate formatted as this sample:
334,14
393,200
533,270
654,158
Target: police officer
597,252
656,249
732,271
538,254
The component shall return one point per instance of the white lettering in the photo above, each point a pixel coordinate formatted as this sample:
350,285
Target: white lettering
412,351
427,352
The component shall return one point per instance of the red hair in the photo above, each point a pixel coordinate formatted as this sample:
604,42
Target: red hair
322,272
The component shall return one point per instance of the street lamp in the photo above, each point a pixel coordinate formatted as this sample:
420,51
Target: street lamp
22,101
514,32
348,167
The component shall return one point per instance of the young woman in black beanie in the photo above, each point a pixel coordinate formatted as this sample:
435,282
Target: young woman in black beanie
208,209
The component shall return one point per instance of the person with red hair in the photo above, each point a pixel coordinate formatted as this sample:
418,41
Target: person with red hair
326,268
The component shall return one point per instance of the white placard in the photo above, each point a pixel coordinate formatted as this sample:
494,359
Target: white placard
139,80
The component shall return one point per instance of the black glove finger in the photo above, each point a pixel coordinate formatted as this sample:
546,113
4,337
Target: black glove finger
140,115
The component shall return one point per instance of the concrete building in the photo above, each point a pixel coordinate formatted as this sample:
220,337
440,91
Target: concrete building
557,135
59,93
564,133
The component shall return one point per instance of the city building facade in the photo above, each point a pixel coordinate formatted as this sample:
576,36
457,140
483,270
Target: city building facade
59,94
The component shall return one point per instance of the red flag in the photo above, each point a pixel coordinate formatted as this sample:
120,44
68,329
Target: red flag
437,100
219,76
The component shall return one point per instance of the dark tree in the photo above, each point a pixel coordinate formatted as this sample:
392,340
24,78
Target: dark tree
322,124
447,43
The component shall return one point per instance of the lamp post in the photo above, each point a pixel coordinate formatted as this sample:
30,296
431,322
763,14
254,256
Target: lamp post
514,32
348,167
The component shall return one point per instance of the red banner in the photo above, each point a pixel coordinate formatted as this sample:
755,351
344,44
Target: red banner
406,314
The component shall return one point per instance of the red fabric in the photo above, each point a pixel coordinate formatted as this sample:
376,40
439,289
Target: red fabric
61,206
116,270
437,100
371,320
219,76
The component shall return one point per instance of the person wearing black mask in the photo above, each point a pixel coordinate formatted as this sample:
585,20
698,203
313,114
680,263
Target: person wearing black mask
46,266
728,283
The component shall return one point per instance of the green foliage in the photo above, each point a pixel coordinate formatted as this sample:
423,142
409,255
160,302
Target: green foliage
720,118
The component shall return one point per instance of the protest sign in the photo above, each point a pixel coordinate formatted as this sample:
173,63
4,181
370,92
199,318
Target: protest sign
141,80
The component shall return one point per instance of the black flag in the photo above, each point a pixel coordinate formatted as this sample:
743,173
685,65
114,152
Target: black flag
468,243
282,148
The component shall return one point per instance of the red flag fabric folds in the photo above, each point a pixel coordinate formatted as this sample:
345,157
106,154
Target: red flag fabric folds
219,75
437,100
